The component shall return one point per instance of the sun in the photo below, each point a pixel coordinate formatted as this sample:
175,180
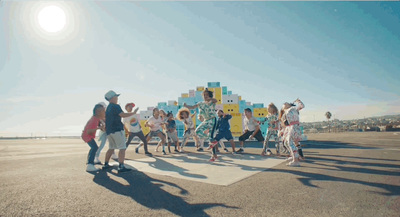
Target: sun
52,19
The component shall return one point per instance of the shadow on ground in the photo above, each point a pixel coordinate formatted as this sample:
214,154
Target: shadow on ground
332,145
149,193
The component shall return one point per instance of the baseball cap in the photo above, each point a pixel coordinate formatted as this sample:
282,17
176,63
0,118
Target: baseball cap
131,103
110,94
103,104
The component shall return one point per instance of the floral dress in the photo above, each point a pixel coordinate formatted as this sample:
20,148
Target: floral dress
292,133
272,130
207,109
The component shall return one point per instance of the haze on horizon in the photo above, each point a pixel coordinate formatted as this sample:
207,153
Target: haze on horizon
342,57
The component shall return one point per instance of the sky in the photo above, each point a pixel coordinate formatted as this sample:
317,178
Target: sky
342,57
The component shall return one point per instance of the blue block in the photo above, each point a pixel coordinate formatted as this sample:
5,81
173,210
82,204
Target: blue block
179,123
171,108
224,90
189,101
180,132
229,92
258,105
213,84
242,106
161,104
198,96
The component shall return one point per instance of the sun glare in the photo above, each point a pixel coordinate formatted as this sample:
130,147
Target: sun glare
52,19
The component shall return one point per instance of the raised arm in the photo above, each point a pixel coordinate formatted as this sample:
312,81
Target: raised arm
128,114
228,116
190,107
300,104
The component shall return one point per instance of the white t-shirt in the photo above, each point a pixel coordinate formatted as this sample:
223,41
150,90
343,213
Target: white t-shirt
156,122
189,123
132,123
250,124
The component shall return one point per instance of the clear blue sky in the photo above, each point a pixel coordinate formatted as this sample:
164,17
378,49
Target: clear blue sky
342,57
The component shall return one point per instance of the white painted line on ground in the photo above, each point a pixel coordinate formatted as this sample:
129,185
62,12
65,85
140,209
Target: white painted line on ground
227,170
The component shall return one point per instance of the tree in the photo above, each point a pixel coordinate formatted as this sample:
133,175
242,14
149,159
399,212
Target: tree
328,116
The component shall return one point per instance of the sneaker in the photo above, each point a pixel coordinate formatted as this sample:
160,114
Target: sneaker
137,150
240,151
226,150
148,154
293,164
200,149
269,152
123,169
176,150
91,168
212,144
163,152
114,157
211,160
289,159
181,151
263,153
97,161
106,166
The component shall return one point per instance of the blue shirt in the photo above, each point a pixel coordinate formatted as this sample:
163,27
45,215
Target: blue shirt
223,123
171,124
113,120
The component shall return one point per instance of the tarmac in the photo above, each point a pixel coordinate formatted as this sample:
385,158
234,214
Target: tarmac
344,174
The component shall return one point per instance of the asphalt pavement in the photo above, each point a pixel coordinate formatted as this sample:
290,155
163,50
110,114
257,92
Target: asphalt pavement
344,174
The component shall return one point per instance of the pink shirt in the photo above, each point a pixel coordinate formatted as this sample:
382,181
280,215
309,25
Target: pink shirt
93,123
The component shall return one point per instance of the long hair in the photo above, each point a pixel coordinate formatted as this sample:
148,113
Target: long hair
281,113
273,107
163,113
181,111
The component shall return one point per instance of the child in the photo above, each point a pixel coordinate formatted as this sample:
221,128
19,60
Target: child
207,108
273,125
115,131
163,117
183,115
89,134
172,135
132,126
102,136
155,122
252,129
223,130
292,133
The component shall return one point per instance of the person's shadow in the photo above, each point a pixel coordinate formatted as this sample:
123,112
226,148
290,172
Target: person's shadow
149,193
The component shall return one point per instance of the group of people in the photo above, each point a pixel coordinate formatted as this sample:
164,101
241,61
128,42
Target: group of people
115,125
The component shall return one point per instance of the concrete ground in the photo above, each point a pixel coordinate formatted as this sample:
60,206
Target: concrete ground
345,174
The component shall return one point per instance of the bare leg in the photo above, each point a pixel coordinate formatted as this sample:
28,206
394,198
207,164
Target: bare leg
232,144
108,155
121,156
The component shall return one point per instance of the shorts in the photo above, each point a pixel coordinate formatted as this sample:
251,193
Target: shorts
172,137
117,140
227,135
247,134
154,133
189,132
